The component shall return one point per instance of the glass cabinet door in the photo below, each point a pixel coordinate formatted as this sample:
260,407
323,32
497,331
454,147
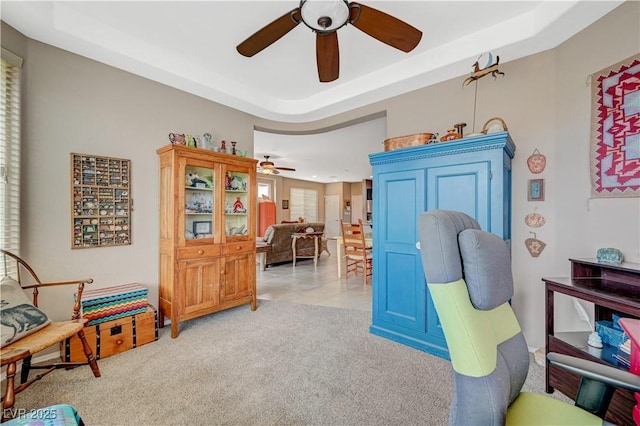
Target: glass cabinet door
236,203
198,202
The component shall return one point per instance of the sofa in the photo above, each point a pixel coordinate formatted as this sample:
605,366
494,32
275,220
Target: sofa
278,237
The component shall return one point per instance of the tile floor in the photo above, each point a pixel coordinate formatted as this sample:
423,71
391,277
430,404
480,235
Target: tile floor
308,285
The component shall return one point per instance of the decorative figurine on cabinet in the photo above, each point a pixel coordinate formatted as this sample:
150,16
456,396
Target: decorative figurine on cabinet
237,184
490,68
451,135
194,181
238,207
177,138
227,181
206,141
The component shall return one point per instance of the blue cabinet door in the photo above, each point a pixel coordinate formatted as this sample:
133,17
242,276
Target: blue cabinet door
395,244
402,310
461,187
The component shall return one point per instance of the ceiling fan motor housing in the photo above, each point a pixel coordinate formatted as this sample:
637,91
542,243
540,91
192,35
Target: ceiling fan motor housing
324,16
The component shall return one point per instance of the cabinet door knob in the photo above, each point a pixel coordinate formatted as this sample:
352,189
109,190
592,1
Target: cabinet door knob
418,245
200,251
119,342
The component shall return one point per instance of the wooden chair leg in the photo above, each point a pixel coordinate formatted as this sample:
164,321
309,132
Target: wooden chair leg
9,397
346,268
26,367
89,353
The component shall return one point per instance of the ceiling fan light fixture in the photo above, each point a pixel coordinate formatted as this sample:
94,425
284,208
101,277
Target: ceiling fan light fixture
324,16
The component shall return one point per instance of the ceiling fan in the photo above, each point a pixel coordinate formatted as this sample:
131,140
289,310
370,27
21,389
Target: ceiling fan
325,17
268,168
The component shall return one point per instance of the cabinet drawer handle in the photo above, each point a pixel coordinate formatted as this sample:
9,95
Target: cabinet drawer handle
201,252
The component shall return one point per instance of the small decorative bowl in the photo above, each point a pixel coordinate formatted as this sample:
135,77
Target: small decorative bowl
609,255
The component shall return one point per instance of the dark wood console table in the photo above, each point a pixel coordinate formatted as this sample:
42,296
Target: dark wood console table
612,289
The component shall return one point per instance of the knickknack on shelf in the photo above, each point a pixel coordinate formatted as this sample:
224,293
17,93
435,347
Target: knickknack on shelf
100,201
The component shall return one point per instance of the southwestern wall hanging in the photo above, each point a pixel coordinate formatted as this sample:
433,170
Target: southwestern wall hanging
615,130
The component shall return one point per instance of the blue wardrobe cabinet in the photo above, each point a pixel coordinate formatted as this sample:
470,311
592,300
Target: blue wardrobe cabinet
471,175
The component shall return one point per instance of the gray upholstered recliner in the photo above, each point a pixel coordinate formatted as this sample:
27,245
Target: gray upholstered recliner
469,277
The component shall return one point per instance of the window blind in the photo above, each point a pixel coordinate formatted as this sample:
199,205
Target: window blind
10,153
304,203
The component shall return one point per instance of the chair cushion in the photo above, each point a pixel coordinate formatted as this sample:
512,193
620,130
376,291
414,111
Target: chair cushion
535,409
368,255
19,317
486,262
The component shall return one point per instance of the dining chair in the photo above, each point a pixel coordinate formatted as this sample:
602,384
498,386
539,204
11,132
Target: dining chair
357,254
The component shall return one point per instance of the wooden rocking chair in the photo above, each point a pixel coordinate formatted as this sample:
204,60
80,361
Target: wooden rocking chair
52,334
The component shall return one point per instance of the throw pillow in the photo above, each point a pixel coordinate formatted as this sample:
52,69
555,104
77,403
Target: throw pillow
18,315
268,234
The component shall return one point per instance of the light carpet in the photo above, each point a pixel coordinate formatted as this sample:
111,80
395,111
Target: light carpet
284,364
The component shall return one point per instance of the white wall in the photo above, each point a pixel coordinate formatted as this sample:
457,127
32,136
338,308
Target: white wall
74,104
584,224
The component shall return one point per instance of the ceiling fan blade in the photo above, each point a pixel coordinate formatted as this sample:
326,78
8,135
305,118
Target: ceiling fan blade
384,27
270,33
327,56
288,169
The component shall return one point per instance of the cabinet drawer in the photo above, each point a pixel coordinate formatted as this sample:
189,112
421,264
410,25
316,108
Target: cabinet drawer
242,247
198,252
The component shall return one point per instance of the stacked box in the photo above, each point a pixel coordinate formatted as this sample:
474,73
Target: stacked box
106,304
112,337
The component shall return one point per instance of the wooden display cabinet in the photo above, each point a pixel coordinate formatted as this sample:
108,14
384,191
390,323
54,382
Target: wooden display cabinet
613,289
207,233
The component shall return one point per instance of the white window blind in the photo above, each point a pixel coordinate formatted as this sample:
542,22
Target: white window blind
303,203
10,153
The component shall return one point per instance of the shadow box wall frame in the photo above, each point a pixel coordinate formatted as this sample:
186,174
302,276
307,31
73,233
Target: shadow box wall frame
101,202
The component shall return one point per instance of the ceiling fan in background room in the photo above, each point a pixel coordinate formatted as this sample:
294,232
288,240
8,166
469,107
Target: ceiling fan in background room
267,167
325,17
